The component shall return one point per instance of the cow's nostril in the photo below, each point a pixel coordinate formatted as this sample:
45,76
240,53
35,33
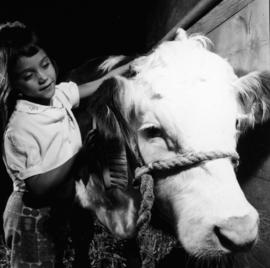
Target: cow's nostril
238,233
231,244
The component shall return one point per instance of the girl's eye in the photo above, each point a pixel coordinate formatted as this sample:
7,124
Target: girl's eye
46,64
27,76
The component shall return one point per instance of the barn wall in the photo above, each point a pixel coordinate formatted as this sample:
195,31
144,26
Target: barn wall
240,32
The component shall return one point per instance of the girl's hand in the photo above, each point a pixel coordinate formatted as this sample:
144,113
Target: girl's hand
87,89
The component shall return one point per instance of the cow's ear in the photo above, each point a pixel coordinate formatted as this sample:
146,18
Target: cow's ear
254,97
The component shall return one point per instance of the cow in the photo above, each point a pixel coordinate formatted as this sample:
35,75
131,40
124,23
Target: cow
179,105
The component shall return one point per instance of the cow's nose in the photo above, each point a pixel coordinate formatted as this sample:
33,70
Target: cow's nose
238,233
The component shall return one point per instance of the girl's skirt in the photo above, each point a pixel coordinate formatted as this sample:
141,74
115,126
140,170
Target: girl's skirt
36,235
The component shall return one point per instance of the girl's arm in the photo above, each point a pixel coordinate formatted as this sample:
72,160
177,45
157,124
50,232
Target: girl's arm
87,89
53,185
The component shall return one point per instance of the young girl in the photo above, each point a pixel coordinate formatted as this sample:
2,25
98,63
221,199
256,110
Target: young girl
40,145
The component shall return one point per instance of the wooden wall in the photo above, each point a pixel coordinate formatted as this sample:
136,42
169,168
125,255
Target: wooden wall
239,30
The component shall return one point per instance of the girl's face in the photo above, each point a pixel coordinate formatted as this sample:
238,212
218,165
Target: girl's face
35,77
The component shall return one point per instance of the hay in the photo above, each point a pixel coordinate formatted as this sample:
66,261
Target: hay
105,250
155,245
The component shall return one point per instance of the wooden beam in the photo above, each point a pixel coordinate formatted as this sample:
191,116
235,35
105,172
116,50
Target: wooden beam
218,15
194,15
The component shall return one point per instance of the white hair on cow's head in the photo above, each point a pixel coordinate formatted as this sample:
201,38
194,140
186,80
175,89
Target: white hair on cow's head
186,59
196,38
181,34
135,98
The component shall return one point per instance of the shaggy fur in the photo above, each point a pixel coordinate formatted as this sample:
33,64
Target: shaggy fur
254,97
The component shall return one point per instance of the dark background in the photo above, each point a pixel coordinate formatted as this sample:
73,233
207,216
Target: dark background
74,32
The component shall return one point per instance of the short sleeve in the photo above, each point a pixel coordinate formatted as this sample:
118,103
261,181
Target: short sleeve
21,156
70,91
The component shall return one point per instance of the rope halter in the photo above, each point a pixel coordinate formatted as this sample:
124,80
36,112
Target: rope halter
184,161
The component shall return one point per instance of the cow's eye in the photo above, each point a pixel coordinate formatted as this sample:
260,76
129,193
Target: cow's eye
237,124
151,131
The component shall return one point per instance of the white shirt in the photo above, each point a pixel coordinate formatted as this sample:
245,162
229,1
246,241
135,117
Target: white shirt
40,138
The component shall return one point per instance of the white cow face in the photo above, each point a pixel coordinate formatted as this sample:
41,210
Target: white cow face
188,99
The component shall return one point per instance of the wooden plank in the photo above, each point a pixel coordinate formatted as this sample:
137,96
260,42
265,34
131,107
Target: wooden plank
194,15
244,38
164,16
218,15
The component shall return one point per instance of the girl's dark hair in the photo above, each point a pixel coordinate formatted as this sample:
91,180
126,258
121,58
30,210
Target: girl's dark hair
16,40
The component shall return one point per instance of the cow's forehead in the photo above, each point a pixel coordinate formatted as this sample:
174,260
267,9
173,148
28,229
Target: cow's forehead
183,61
191,77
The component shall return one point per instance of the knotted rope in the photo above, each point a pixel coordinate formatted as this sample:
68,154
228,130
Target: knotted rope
154,244
185,161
